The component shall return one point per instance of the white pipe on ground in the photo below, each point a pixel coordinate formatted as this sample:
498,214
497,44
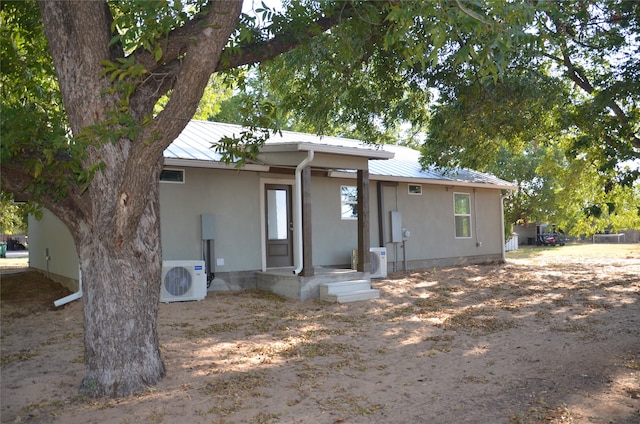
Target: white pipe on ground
72,296
297,216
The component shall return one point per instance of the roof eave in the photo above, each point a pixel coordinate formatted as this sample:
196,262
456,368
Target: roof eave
325,148
197,163
432,181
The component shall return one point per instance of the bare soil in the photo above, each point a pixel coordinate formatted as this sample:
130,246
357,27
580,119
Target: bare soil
552,336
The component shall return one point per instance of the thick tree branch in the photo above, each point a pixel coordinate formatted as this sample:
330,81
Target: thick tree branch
188,79
181,39
577,75
262,51
72,209
198,61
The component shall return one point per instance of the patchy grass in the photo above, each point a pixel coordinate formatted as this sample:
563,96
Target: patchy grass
23,355
544,414
349,405
231,392
477,321
212,330
632,363
312,349
577,251
44,411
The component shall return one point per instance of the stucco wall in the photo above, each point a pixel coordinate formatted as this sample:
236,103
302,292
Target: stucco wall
333,238
429,218
50,235
235,199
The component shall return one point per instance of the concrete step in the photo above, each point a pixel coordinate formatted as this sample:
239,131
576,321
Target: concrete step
344,287
353,296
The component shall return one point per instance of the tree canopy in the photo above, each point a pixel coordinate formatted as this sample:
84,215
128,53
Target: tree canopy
573,92
490,79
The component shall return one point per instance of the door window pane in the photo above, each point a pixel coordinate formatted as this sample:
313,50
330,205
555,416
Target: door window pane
277,219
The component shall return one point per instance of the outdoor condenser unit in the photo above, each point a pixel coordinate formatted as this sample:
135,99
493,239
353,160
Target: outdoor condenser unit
378,262
377,259
183,280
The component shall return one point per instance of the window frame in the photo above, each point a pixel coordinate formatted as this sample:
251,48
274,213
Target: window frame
350,203
466,216
414,189
180,170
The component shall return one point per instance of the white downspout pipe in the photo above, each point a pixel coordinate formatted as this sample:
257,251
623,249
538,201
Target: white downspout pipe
72,296
297,215
502,199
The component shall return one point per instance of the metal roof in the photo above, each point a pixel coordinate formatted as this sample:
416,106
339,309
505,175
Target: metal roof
196,139
405,166
399,163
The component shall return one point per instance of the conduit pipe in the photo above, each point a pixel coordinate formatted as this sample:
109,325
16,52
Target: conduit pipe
297,216
72,296
502,199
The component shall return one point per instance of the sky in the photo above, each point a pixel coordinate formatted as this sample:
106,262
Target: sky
249,5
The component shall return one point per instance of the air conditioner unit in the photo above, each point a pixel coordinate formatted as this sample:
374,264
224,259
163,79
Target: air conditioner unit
183,280
378,262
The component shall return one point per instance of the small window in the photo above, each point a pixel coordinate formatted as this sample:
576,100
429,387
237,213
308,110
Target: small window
349,202
415,189
462,214
172,176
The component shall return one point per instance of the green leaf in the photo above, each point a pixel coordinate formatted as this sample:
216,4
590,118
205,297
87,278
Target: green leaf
158,53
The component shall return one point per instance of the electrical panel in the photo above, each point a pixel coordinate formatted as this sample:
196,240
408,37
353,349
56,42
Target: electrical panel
396,226
208,226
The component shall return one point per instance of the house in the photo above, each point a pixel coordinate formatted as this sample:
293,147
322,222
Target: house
305,205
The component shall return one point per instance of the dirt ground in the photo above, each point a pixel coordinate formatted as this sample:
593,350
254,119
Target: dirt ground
553,336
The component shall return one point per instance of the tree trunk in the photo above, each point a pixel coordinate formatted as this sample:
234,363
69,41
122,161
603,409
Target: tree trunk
121,289
115,222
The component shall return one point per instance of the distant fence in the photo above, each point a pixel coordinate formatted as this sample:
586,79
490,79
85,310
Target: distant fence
608,238
512,243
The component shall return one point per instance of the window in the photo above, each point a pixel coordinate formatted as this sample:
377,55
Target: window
415,189
172,176
462,214
349,202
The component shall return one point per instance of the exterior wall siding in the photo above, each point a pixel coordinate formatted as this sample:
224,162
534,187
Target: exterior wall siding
430,220
53,236
235,200
233,197
333,237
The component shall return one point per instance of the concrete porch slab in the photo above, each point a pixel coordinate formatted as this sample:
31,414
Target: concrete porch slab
284,282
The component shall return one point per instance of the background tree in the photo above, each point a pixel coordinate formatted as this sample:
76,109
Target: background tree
13,216
572,90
